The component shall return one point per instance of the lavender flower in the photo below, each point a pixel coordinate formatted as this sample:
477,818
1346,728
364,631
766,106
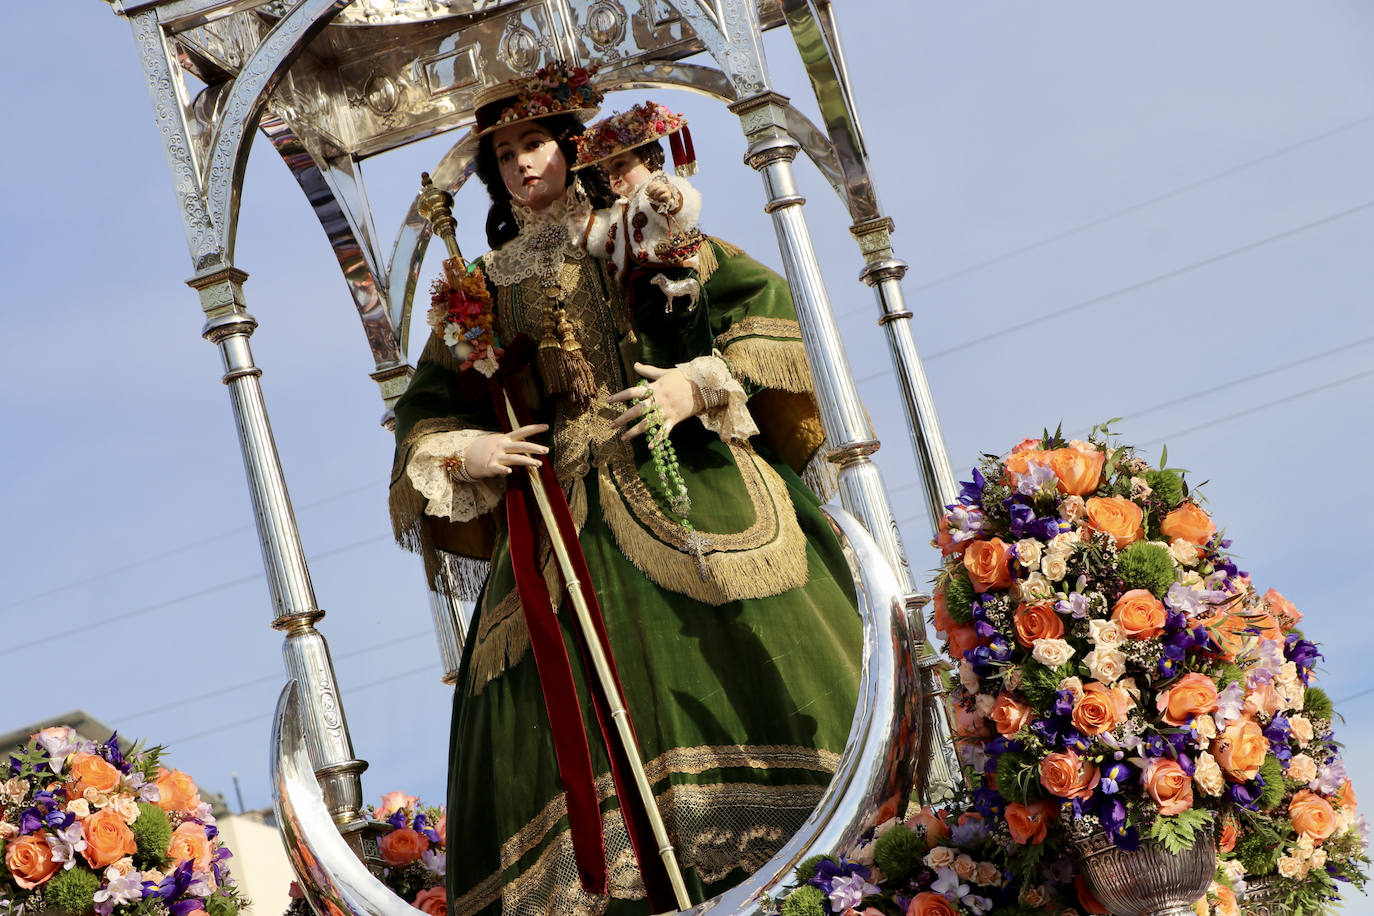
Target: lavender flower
119,890
947,883
1075,605
848,892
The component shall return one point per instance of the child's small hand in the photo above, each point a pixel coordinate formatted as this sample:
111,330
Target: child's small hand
663,197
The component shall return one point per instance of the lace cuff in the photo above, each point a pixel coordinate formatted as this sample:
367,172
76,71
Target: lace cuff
726,412
445,497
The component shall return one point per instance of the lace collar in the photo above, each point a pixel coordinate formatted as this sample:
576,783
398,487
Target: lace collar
544,242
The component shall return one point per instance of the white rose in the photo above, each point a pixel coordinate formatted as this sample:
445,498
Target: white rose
1192,579
80,807
1207,775
967,676
1289,867
964,867
1106,664
1128,684
1345,817
1051,652
1302,768
1064,543
1206,727
1036,589
1013,678
8,831
1054,567
1318,859
984,703
1028,552
1302,730
1074,685
1105,634
1072,509
126,807
940,857
1185,553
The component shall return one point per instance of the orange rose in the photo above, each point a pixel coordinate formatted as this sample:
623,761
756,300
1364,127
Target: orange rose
431,901
1346,796
1312,815
970,723
932,823
1229,629
1019,462
1240,750
1230,832
1117,516
403,846
1168,785
1227,905
1010,715
108,838
946,542
1097,710
1139,614
1283,610
441,828
1067,776
1086,898
1038,621
92,772
963,638
29,859
986,562
1262,698
1028,444
176,792
1079,472
1188,522
393,802
940,615
929,903
1030,823
188,843
1190,696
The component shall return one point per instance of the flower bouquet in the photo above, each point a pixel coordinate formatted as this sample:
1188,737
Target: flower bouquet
461,313
1102,637
1288,848
414,853
87,828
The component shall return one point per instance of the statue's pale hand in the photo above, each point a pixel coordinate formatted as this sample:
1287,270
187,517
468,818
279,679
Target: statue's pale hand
499,454
674,393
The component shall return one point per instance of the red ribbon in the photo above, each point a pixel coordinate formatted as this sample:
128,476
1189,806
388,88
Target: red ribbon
571,747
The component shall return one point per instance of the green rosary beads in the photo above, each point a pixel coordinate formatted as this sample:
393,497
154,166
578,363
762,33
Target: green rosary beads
665,462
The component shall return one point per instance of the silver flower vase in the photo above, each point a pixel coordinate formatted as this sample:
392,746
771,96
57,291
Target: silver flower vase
1148,881
1264,897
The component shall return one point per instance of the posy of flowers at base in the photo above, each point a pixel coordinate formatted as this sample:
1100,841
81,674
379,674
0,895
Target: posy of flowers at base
1301,836
934,864
1102,638
414,853
87,828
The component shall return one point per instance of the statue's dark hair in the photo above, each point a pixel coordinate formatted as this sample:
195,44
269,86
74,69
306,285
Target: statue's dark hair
501,225
651,154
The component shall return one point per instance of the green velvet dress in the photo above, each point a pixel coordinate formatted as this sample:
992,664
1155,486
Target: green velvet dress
739,666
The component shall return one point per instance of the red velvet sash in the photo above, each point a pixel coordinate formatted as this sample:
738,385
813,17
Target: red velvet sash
570,741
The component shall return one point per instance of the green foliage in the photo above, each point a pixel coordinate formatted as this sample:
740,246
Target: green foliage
898,852
806,900
1146,565
1259,848
1272,793
1228,673
959,596
152,832
407,881
993,494
1166,486
1039,684
1018,778
222,905
1317,705
1025,862
32,758
806,870
1176,832
72,890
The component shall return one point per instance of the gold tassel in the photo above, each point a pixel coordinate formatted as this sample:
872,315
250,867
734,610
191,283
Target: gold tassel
550,357
577,369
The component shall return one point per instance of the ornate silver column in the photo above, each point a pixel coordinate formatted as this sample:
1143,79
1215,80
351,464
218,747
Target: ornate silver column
305,652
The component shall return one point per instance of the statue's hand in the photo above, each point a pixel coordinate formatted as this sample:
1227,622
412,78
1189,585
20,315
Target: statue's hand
670,389
499,454
663,197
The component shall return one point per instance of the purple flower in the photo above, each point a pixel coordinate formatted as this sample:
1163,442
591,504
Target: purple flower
113,755
30,820
1114,775
848,892
1112,812
1301,653
1245,795
971,491
1075,605
968,833
1000,648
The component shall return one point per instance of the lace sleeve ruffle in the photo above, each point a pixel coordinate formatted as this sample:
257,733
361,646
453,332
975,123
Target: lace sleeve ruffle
729,418
445,497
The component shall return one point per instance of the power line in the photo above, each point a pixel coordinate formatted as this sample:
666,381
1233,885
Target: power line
1173,402
261,717
190,545
275,676
1143,284
149,608
1124,211
1327,386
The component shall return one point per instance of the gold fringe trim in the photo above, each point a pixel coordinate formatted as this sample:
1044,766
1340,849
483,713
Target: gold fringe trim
406,505
770,568
727,248
768,352
707,262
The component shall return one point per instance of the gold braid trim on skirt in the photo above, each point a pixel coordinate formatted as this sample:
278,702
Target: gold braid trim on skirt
715,828
768,352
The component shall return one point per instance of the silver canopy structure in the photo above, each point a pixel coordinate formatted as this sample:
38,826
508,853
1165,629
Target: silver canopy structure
332,82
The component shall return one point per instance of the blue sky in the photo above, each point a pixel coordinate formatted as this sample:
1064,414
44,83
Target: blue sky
1233,291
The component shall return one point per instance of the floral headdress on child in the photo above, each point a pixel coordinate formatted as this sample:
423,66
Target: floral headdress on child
626,130
553,89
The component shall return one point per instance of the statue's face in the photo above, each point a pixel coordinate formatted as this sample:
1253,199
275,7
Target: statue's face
533,167
626,172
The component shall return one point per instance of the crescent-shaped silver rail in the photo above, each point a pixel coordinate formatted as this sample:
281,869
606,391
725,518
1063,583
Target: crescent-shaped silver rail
874,772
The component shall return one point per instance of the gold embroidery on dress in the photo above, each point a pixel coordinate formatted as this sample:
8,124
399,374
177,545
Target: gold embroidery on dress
716,828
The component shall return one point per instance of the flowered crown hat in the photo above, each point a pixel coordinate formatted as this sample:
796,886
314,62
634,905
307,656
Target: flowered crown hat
626,130
553,89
